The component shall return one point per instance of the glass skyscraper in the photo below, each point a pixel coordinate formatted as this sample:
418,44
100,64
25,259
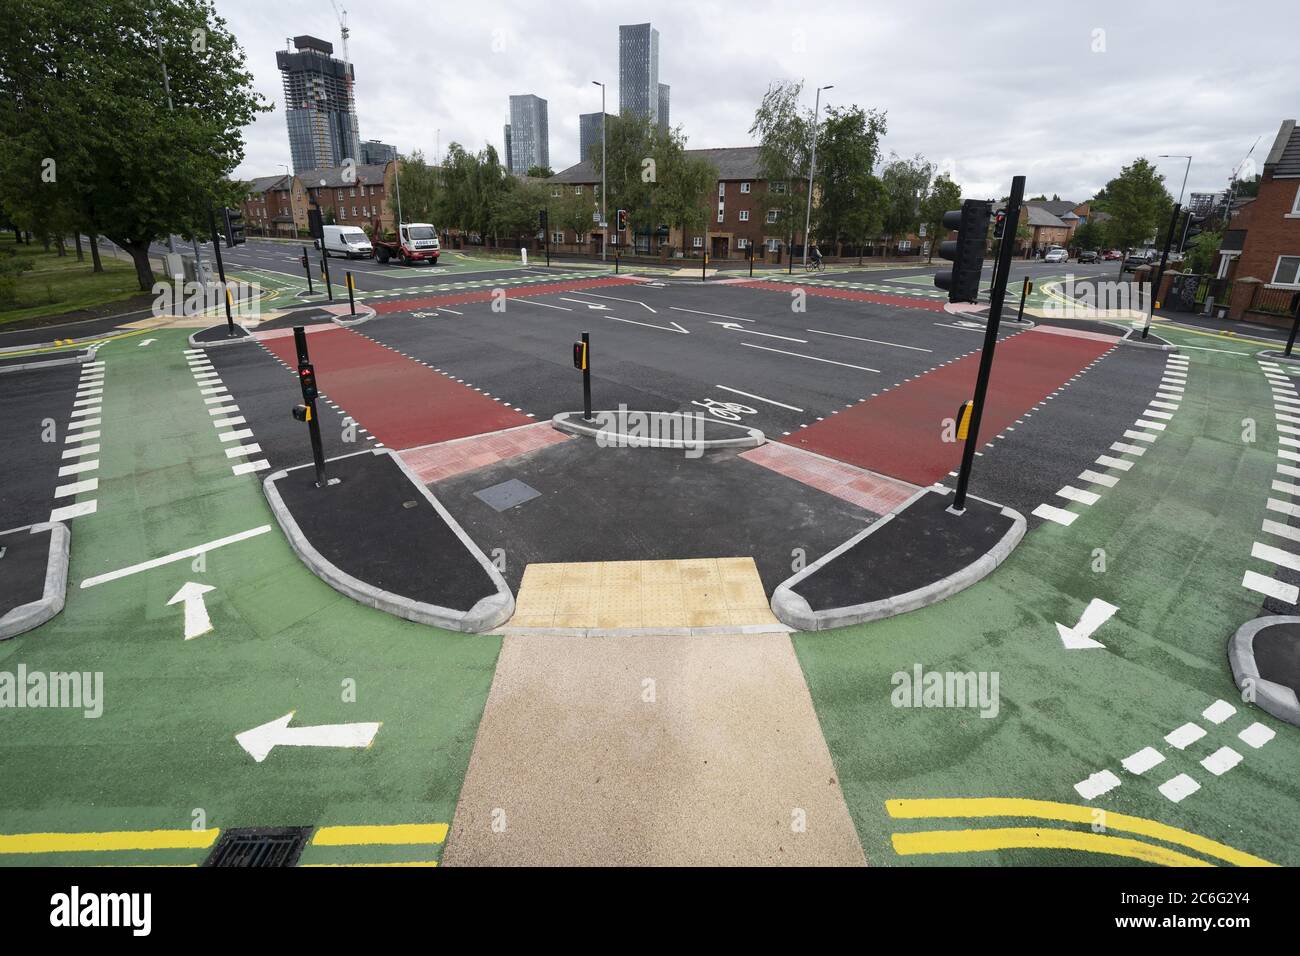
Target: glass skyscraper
638,70
318,105
529,138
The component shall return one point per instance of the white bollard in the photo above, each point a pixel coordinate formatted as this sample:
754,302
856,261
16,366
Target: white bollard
523,255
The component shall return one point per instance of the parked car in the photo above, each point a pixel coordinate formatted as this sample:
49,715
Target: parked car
1110,255
1090,255
1137,259
347,241
1056,255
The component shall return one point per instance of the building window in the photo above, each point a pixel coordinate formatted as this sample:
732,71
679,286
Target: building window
904,245
338,195
742,243
1287,271
555,192
771,215
698,242
721,212
744,215
577,190
744,187
1295,206
352,193
354,212
722,190
778,188
557,238
774,245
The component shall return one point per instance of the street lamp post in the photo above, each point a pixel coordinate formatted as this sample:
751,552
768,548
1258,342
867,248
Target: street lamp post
812,166
604,211
1186,170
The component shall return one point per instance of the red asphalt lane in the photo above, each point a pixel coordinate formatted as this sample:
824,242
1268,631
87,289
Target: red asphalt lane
400,401
900,432
511,292
901,301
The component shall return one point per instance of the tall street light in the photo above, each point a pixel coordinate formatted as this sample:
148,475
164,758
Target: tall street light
604,217
1187,170
812,165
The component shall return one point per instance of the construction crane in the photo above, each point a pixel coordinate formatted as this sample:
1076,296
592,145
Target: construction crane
342,16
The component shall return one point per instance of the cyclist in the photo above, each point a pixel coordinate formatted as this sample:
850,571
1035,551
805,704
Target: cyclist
816,254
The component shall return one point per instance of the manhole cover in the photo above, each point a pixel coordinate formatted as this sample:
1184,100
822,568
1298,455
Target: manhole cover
507,494
277,846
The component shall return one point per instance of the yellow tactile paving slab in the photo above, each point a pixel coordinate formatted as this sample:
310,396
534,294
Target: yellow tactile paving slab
650,749
695,592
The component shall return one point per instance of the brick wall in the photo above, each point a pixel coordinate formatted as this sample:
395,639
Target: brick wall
1272,230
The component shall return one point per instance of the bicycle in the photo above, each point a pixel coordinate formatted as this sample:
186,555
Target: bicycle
815,265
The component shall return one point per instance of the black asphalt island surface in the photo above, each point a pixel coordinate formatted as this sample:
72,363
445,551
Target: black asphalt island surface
266,392
642,504
378,526
34,404
919,546
24,558
220,333
1277,654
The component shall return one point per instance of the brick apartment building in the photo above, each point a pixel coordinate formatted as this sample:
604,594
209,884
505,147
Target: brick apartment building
277,205
736,223
1263,241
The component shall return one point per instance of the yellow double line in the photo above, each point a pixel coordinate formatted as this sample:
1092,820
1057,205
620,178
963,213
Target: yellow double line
1053,838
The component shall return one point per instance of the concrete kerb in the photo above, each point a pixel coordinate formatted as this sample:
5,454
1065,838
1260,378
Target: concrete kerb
711,630
486,614
35,613
364,314
790,608
572,423
85,356
1276,699
1279,355
1133,337
243,335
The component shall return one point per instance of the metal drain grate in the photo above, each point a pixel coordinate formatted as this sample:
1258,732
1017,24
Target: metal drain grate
507,495
270,846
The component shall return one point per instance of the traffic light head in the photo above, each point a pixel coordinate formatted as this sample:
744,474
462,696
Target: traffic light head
234,222
307,380
999,223
622,220
971,223
580,356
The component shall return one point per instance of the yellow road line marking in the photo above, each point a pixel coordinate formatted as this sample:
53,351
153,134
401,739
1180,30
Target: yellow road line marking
309,866
117,840
1069,813
391,834
1034,838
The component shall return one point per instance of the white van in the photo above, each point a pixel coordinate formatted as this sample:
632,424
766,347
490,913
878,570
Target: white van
348,241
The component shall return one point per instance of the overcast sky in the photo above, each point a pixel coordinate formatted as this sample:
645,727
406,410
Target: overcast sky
1065,94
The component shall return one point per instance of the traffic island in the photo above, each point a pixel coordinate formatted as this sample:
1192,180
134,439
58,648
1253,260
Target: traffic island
916,556
679,430
29,363
215,335
1134,338
1279,355
376,534
33,576
1265,659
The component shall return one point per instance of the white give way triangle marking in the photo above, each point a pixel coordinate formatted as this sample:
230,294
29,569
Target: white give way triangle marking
1097,613
196,612
260,741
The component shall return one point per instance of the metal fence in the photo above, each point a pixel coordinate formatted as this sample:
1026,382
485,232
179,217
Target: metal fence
1274,301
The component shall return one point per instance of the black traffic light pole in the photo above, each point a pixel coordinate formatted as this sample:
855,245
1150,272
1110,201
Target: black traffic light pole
1164,260
307,380
586,376
306,267
990,342
1295,326
221,271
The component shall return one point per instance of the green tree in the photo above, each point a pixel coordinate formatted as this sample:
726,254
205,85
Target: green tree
782,128
848,148
906,181
420,187
81,84
1204,248
686,187
1091,235
1138,203
944,195
572,213
635,149
540,172
515,209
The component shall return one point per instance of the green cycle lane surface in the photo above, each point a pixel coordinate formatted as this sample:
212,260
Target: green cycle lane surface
163,755
1175,533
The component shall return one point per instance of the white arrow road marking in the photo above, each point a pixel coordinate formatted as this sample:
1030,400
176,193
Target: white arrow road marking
590,305
260,741
661,328
146,342
614,298
1097,613
196,612
737,327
